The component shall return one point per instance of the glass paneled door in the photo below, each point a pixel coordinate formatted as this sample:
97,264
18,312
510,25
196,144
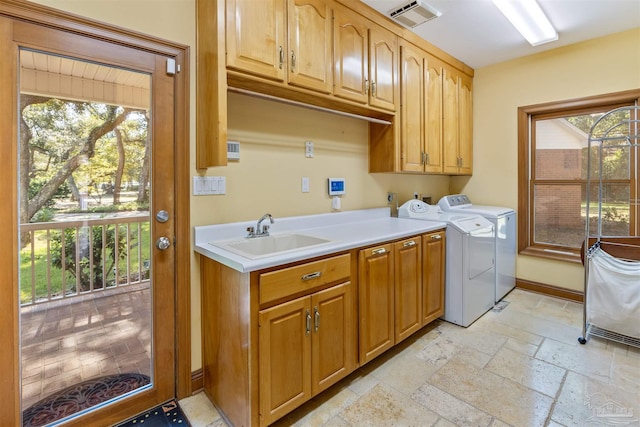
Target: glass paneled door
95,232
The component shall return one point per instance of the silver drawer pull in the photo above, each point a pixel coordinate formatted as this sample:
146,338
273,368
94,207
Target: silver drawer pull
378,251
313,275
436,237
307,330
409,244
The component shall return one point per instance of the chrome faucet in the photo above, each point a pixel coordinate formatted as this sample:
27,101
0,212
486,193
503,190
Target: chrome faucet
260,230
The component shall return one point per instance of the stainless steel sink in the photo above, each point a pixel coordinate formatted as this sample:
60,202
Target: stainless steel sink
274,244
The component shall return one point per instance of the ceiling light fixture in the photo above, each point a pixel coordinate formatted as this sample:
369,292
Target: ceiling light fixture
529,20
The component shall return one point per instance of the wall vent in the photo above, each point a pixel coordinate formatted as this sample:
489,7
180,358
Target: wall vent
233,150
413,13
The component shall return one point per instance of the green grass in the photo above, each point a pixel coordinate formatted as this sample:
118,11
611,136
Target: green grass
40,271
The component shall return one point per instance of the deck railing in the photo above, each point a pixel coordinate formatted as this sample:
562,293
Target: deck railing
67,259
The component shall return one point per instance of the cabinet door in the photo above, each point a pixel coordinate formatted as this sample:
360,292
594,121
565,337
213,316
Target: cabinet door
433,267
433,70
411,108
408,287
450,121
383,68
333,340
375,291
309,52
285,358
465,125
256,37
351,55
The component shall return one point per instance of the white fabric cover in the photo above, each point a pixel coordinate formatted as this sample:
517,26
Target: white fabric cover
613,294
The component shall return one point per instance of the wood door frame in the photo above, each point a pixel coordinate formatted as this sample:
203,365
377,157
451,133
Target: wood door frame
19,10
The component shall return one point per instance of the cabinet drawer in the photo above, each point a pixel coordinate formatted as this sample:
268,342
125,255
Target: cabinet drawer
294,280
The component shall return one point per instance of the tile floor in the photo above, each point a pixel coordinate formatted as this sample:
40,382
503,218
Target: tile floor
69,341
521,366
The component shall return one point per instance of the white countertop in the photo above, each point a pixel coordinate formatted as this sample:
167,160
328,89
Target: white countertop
345,230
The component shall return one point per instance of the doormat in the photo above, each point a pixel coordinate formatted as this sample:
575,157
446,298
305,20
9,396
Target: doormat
166,415
501,305
81,396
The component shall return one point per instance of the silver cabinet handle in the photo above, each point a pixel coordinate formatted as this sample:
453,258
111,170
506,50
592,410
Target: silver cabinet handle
313,275
308,325
281,54
373,88
316,314
366,87
436,237
293,61
409,244
426,158
163,243
379,251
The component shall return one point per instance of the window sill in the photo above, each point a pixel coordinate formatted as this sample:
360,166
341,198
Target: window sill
558,255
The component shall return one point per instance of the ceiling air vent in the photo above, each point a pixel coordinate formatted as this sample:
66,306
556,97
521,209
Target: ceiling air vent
413,13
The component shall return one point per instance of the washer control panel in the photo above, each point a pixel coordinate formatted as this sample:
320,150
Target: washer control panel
454,200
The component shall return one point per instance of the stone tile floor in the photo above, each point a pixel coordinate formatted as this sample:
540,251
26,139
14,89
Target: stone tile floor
521,366
69,341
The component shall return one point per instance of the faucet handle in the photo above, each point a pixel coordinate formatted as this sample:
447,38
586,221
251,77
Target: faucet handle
251,231
265,230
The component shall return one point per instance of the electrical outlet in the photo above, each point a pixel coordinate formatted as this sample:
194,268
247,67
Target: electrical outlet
305,184
308,149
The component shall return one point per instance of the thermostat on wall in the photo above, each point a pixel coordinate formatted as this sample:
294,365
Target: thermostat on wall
336,186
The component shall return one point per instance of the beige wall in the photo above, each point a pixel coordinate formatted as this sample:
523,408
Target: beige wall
272,135
603,65
268,176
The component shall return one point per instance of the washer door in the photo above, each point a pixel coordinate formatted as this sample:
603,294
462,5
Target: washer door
480,246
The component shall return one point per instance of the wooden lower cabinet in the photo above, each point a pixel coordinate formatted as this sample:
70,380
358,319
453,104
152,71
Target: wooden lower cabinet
273,339
375,301
306,345
433,269
400,290
408,287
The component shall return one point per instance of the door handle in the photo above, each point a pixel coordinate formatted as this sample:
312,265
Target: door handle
163,243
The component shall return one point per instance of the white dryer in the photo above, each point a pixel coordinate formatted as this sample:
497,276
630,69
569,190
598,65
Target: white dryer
504,220
470,266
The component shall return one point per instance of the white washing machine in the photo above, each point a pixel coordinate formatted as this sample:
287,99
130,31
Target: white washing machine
470,266
504,219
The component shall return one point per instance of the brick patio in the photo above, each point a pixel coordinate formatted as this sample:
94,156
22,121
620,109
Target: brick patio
69,341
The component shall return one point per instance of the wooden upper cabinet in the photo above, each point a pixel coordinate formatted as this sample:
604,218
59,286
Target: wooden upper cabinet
309,45
432,119
411,108
465,130
383,68
457,123
351,55
256,37
421,79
